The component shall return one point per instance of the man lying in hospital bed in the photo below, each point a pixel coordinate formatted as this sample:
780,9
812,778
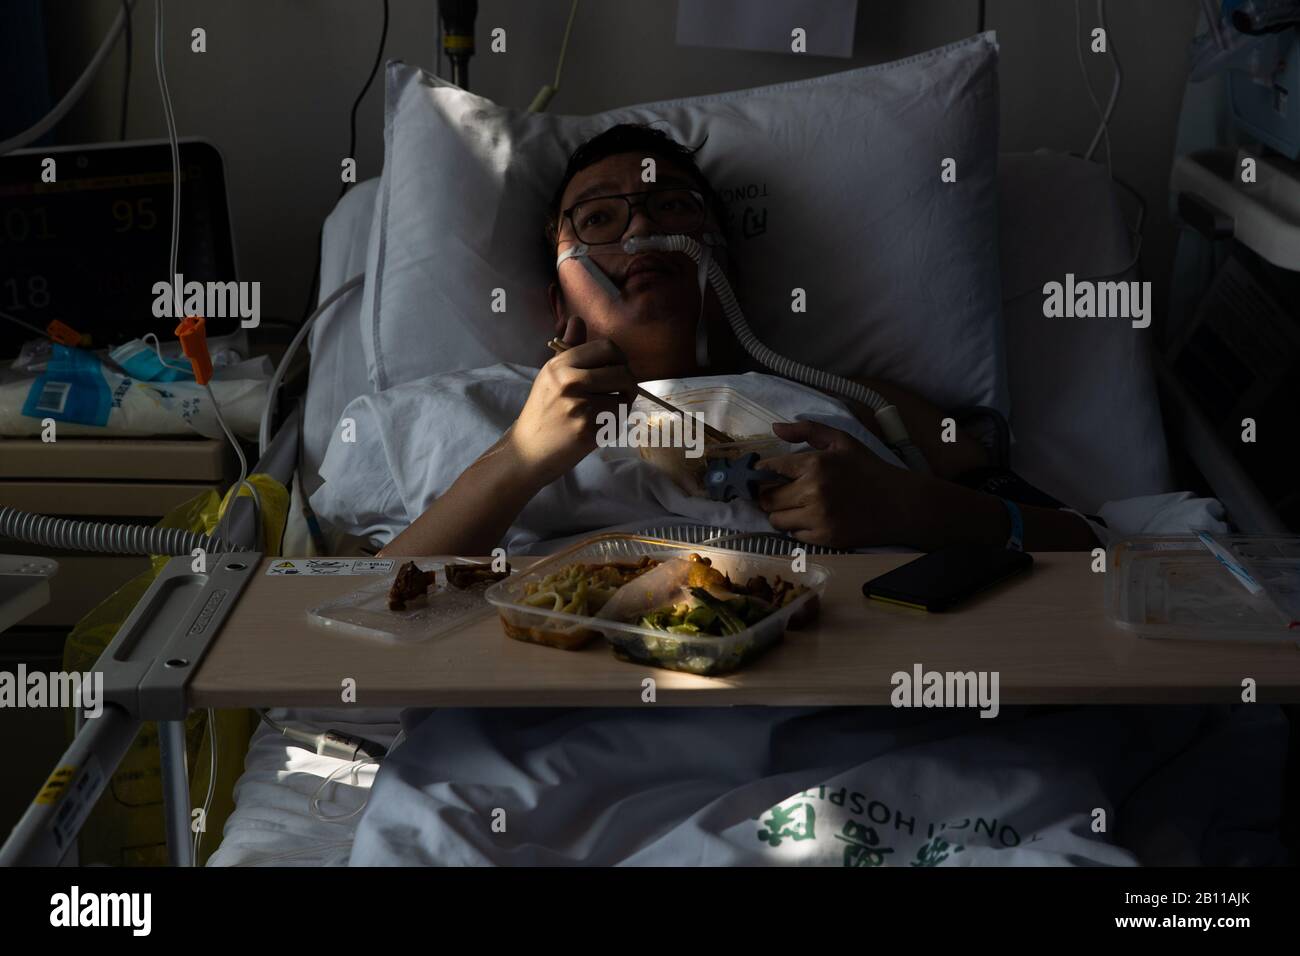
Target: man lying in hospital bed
467,461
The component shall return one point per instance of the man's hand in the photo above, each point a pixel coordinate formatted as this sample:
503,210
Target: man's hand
840,494
557,427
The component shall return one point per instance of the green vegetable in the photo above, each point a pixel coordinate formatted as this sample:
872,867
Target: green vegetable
727,618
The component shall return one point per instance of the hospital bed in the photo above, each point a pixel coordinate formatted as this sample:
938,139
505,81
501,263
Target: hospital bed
292,807
1039,193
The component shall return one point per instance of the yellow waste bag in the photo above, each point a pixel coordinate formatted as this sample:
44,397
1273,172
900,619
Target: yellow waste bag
126,827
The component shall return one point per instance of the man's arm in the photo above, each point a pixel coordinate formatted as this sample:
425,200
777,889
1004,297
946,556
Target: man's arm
925,427
942,514
841,495
555,430
475,512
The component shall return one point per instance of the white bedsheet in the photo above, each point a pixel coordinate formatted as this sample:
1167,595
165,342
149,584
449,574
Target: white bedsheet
273,823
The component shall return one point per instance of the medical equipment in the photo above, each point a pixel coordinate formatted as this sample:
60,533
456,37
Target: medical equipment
545,94
457,18
891,422
1257,44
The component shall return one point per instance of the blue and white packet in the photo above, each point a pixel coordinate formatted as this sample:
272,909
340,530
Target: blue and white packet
71,389
142,362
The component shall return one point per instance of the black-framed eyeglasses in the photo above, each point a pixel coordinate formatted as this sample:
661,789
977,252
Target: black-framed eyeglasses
605,218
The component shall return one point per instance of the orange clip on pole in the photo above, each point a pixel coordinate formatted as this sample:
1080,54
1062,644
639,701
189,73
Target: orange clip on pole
64,334
194,343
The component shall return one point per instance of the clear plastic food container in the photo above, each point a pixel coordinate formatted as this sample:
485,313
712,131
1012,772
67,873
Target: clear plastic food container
725,409
365,613
1173,586
697,654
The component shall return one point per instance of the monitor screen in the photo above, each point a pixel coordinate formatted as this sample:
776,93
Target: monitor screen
88,248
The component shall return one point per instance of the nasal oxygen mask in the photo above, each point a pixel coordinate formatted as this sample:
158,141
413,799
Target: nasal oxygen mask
708,270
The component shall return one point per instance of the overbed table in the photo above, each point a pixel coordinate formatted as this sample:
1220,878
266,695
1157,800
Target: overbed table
234,635
1046,635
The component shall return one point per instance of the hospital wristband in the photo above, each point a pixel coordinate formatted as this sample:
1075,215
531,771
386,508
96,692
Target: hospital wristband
1017,540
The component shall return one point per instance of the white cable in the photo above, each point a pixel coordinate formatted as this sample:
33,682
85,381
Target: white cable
564,44
1114,90
544,95
212,779
157,348
160,69
1103,115
281,370
313,806
70,98
242,481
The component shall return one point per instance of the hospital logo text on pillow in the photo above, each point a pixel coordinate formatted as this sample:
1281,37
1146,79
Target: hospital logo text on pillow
1085,299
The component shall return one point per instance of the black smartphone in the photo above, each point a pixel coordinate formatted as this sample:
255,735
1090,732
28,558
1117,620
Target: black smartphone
943,579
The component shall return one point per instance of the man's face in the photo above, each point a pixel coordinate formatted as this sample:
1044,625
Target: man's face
654,319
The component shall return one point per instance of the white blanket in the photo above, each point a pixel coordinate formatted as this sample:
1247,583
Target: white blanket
830,786
394,452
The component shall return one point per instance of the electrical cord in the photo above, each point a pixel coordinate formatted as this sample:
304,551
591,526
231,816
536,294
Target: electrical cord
160,69
545,94
1115,87
313,805
242,482
356,104
26,325
126,70
75,92
212,782
313,289
281,370
331,743
1104,115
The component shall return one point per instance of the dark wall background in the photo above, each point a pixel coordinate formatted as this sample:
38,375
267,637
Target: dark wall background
275,87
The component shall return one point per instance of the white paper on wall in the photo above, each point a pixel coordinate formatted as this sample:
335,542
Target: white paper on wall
769,25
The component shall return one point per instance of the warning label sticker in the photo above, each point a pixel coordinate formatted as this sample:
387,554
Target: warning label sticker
331,566
55,785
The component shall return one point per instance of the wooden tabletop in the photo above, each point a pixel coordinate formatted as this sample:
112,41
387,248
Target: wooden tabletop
1045,634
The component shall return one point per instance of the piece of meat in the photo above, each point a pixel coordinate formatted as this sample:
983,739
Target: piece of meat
409,584
468,575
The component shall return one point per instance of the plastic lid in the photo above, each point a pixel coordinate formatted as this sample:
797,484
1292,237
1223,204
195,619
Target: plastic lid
365,613
1173,586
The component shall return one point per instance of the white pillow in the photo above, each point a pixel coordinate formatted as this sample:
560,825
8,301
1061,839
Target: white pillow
833,185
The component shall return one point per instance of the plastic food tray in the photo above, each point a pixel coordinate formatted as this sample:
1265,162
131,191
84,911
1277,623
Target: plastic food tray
365,613
695,654
725,409
1172,586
